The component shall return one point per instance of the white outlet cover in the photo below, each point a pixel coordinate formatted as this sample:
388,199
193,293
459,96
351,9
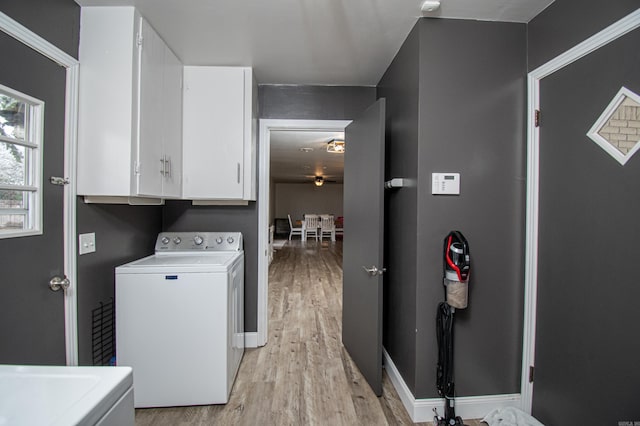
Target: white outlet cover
87,243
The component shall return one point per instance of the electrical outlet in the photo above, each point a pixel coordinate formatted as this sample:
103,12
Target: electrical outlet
87,243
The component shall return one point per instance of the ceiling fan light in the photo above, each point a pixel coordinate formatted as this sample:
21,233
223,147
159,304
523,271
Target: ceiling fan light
336,146
319,181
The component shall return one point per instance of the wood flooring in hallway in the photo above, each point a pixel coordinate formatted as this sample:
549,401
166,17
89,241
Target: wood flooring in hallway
303,376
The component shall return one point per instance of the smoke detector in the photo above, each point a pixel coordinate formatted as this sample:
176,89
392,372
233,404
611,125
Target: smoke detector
430,6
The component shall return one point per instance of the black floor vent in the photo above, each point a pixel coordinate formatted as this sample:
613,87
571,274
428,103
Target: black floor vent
103,332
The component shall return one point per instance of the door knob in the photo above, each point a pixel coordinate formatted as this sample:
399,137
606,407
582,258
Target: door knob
373,271
58,283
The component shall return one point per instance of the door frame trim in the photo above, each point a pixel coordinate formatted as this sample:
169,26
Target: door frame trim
264,173
591,44
45,48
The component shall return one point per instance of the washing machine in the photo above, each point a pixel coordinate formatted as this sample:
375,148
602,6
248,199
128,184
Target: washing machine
180,319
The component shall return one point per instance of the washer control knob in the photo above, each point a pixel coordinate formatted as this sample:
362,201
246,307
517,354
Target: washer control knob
165,240
230,240
219,240
177,240
198,240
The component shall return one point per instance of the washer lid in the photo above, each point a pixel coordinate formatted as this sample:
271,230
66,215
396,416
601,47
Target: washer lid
183,260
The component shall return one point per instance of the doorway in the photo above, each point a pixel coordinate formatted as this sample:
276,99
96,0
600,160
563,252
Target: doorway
266,127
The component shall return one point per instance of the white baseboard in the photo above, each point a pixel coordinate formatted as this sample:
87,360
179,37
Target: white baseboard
251,340
467,407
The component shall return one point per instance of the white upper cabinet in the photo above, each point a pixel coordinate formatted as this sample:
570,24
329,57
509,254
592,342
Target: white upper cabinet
130,110
219,133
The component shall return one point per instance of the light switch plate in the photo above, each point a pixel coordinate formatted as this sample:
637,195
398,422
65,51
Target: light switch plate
87,243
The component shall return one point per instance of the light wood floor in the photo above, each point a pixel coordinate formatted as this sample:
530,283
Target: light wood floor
303,376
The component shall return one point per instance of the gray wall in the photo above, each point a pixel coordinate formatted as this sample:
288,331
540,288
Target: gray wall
470,119
314,102
586,337
123,233
57,21
276,102
298,199
565,23
400,87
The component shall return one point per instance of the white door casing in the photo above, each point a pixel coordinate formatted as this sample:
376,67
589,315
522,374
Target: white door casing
43,47
266,126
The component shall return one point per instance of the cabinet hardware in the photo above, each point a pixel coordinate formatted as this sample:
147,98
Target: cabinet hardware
238,172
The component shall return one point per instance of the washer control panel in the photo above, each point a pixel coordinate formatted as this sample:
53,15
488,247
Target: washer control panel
199,241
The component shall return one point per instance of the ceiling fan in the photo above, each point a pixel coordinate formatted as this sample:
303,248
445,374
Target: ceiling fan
320,180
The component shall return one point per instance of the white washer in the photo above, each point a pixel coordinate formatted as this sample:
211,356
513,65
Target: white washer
180,319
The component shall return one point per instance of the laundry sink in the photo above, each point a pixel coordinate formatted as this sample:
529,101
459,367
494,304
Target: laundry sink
62,396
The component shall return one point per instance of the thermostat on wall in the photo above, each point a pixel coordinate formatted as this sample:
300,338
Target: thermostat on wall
445,183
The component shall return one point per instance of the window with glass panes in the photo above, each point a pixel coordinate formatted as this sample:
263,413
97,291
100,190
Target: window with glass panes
21,126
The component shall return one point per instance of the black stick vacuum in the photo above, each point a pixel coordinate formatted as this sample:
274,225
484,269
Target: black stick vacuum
456,268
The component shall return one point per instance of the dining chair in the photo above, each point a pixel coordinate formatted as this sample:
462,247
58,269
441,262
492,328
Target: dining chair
293,231
327,227
310,226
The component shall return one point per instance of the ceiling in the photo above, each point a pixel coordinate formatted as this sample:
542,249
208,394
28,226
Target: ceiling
327,42
290,164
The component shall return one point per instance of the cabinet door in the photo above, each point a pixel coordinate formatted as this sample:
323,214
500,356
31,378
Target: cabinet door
172,125
213,134
150,164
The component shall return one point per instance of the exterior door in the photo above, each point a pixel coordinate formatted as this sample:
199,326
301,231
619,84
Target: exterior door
363,242
587,344
32,319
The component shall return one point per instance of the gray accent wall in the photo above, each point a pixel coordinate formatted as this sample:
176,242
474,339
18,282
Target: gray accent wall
123,234
400,87
566,23
313,102
456,99
57,21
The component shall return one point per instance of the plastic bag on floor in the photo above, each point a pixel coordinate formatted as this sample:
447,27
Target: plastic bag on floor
510,416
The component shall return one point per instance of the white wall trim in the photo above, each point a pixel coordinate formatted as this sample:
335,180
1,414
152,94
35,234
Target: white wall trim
251,340
604,37
265,128
467,407
42,46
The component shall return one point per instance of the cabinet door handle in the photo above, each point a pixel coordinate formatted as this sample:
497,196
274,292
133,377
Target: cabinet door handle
168,162
238,172
163,171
